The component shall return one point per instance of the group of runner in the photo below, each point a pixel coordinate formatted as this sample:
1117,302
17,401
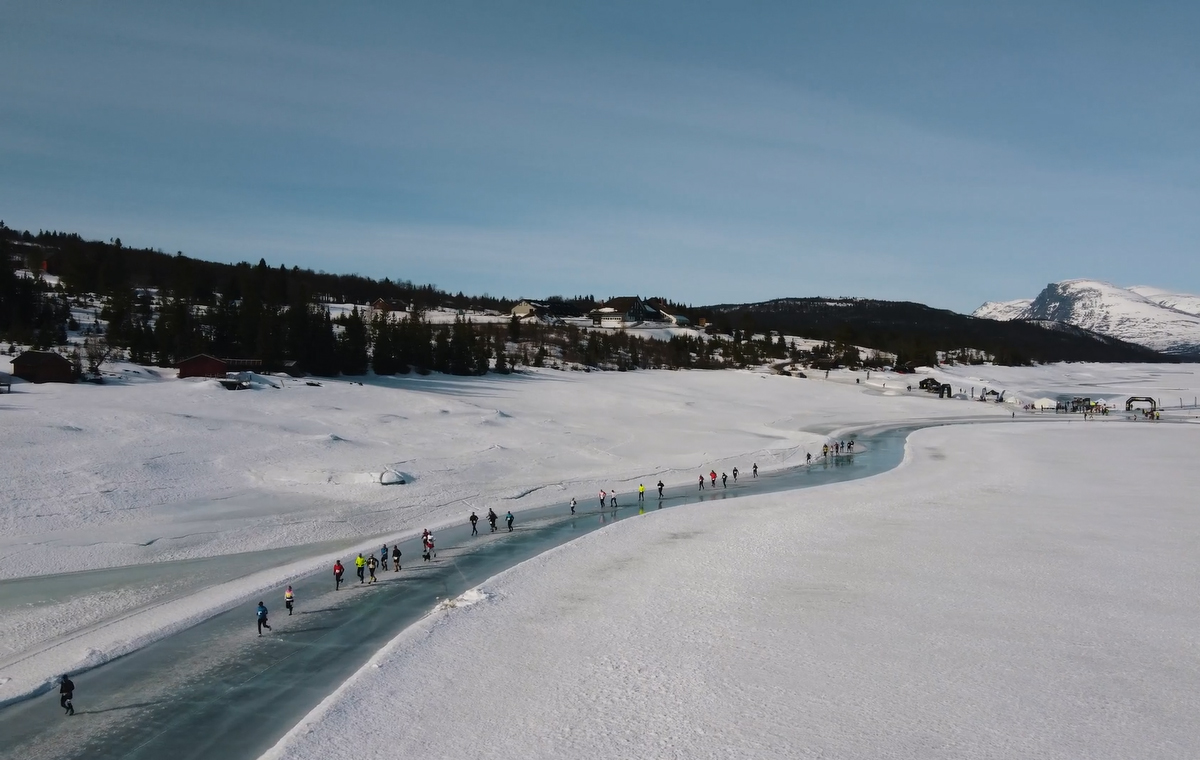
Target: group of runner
366,566
492,517
836,448
712,477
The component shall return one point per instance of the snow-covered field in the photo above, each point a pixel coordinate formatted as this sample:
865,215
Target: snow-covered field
1006,593
172,499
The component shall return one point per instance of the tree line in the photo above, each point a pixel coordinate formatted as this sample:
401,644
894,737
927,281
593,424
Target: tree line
161,308
915,333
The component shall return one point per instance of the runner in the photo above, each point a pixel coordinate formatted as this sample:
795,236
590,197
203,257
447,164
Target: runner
603,496
261,613
612,499
66,695
508,518
337,574
735,471
701,482
641,492
429,543
396,557
289,599
660,487
371,565
572,505
359,564
808,458
724,480
474,519
491,516
754,470
713,474
383,557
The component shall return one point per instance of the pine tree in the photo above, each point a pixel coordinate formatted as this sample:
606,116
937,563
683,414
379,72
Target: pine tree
353,345
482,355
322,356
383,352
462,349
441,353
421,345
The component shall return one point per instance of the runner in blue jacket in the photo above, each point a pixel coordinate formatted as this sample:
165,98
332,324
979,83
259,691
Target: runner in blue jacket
261,612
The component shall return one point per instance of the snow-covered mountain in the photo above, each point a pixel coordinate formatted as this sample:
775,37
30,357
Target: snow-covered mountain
1002,310
1178,301
1157,319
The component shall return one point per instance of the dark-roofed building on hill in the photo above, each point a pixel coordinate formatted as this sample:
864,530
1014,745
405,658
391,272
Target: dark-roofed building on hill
625,311
386,306
550,312
669,316
44,367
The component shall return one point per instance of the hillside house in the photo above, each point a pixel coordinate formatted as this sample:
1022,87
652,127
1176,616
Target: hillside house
44,367
625,311
551,312
675,319
530,309
386,306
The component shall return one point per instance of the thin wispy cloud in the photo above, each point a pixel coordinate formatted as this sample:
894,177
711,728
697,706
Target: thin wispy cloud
520,150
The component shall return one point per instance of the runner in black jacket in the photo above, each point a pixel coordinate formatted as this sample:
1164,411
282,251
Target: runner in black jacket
66,691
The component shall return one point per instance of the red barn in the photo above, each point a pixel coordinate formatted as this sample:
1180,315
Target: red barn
44,367
202,365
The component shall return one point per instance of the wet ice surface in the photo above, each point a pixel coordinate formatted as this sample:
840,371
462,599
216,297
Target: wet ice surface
217,688
69,602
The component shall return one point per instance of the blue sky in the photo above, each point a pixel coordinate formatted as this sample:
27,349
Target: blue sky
948,153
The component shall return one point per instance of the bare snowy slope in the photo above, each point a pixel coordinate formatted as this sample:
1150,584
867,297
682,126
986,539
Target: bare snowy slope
1113,311
1002,310
1178,301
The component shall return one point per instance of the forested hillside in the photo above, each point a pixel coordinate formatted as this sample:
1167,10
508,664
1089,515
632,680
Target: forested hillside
915,333
159,308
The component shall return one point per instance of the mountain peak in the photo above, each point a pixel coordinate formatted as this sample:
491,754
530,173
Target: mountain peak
1002,311
1145,315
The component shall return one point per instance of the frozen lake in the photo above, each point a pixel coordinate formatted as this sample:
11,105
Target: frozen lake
217,688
